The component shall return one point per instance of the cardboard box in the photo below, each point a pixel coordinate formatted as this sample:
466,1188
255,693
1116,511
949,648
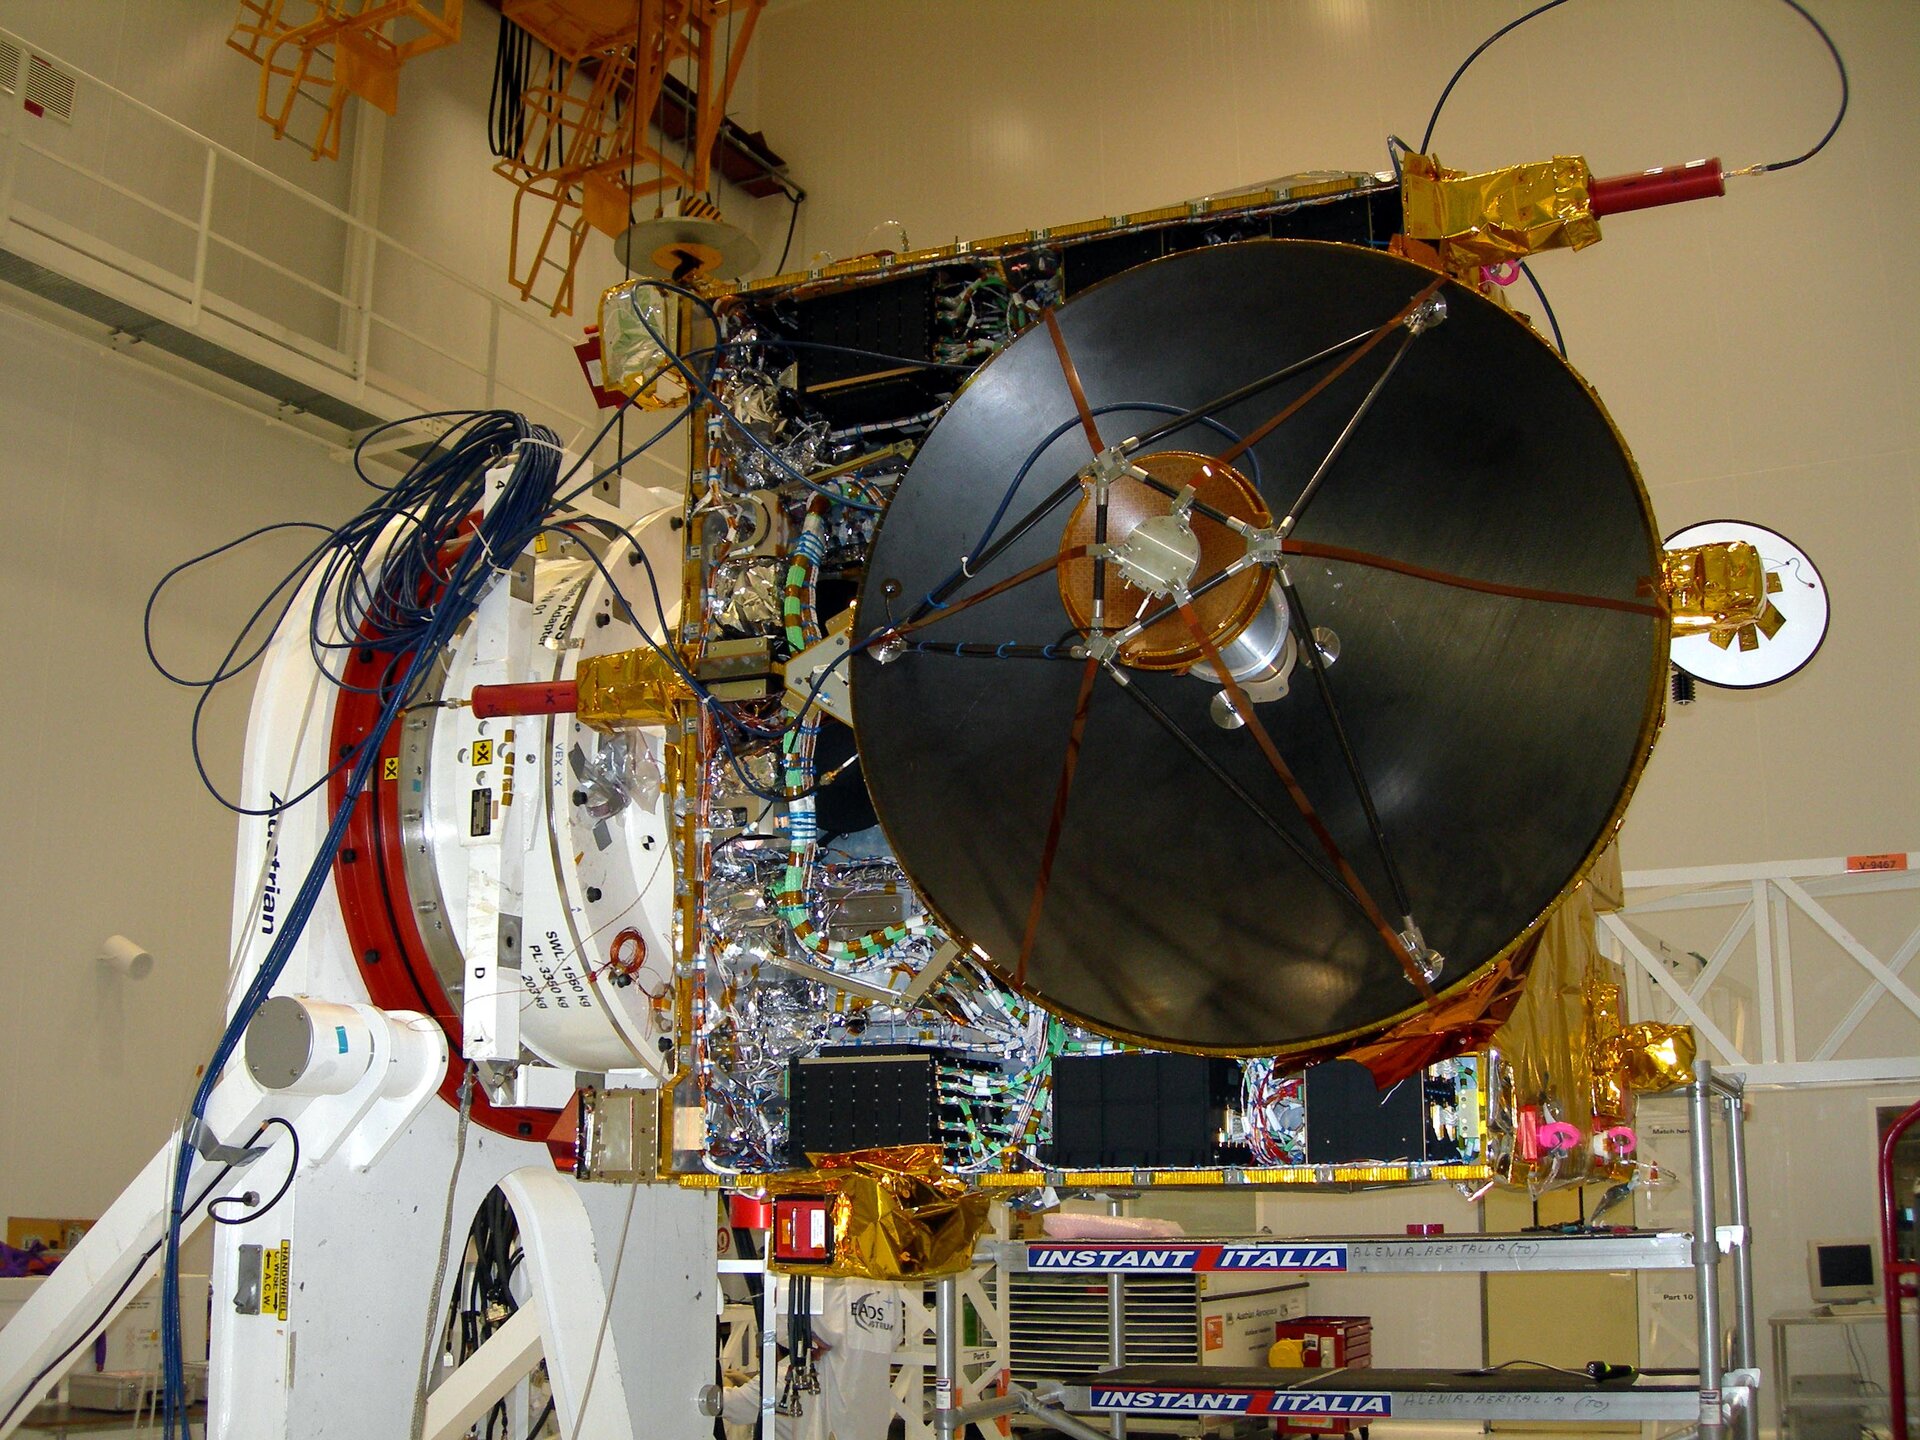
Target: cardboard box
55,1234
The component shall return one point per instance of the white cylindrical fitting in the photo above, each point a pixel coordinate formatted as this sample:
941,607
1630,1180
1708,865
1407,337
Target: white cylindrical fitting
418,1054
308,1047
127,956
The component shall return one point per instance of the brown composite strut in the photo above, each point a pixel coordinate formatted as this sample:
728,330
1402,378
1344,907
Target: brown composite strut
1305,806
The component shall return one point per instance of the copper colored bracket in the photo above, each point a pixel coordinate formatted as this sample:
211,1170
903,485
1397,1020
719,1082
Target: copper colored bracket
1068,369
1057,821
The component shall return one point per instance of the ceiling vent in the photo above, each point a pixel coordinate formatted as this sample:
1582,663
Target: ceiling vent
48,90
9,66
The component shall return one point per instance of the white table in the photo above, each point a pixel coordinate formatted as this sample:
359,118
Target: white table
1867,1404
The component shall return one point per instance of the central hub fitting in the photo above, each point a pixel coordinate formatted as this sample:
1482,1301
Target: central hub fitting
1160,555
1157,548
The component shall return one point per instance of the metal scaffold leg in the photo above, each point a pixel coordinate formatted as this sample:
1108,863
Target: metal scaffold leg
1744,1354
946,1355
1117,1326
1706,1251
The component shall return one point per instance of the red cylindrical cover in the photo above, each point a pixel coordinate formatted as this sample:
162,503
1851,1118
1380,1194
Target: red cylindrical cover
750,1212
538,697
1669,185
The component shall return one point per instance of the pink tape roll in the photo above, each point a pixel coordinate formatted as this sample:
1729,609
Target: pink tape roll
1558,1135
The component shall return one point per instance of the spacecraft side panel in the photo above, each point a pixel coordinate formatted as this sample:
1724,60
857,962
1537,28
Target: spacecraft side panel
807,932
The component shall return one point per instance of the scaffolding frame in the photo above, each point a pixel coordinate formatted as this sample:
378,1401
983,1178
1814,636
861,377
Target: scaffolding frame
346,48
589,147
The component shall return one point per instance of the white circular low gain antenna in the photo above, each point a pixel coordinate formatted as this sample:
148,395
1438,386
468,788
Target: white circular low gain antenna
693,245
1785,638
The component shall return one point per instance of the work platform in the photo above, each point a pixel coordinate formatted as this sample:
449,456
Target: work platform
1363,1254
1365,1396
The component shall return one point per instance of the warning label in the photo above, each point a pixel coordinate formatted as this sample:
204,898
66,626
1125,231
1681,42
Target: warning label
275,1272
483,752
1896,861
390,768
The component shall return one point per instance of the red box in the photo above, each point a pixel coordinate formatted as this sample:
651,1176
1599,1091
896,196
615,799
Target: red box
803,1229
749,1212
1328,1342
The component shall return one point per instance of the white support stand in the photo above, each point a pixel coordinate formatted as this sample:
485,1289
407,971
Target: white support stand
560,1322
122,1251
570,1292
97,1279
465,1396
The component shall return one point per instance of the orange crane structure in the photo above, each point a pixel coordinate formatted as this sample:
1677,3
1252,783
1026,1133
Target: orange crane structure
588,148
320,52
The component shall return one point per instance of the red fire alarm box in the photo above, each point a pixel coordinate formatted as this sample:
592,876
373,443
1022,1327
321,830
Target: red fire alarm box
1322,1342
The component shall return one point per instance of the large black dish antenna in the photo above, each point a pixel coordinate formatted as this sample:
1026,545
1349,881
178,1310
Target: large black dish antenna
1477,565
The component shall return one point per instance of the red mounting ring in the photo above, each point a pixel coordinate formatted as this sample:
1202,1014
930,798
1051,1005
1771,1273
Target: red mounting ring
377,909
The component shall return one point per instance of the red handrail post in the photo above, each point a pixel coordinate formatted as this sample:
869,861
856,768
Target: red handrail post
1894,1273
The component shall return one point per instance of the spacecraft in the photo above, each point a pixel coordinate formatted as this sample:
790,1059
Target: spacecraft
1163,655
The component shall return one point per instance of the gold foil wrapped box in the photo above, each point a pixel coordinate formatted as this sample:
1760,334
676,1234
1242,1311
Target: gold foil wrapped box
1652,1056
896,1214
628,688
1499,215
1715,588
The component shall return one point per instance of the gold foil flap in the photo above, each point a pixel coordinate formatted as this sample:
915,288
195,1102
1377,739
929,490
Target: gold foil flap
1554,1060
896,1214
1605,882
1463,1021
1715,588
1605,1016
1500,215
1652,1056
628,688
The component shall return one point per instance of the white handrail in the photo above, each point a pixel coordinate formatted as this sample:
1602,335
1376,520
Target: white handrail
280,181
360,319
1759,906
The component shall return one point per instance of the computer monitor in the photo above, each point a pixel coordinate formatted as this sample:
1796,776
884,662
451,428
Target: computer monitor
1842,1271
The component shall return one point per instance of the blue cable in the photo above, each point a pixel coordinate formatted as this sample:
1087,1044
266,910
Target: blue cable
1013,486
720,407
400,614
